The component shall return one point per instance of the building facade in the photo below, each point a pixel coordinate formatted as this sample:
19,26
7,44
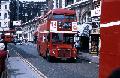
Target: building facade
53,4
83,9
29,28
26,12
4,15
30,10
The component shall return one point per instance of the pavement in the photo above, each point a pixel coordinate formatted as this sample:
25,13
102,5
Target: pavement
89,57
18,68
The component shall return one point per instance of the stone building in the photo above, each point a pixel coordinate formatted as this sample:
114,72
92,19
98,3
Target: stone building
53,4
28,11
4,15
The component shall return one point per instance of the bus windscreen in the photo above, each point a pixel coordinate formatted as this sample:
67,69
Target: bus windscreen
58,17
62,38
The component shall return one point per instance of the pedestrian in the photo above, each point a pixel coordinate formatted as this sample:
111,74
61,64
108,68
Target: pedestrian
77,45
5,43
3,56
35,39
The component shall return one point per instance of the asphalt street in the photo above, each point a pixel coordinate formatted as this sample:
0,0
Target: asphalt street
57,69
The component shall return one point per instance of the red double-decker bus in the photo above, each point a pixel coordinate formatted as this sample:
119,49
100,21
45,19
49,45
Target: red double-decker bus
110,39
7,36
56,34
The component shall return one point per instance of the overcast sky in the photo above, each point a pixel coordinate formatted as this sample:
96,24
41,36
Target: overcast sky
32,0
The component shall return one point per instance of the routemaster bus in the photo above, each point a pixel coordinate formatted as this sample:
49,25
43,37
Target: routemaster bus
110,39
56,34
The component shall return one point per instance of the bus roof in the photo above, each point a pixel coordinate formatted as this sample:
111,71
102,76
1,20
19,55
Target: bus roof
63,11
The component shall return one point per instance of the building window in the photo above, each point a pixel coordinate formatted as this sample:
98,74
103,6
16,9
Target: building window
69,2
23,5
78,0
0,24
8,15
0,15
5,15
5,23
5,6
0,6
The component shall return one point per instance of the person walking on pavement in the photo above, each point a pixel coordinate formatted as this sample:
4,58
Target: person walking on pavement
77,45
35,39
3,39
3,56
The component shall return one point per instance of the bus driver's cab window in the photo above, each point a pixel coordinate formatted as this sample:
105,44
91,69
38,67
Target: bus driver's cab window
57,37
48,37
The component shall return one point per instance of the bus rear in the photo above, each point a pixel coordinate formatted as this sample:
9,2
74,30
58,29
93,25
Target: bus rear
110,39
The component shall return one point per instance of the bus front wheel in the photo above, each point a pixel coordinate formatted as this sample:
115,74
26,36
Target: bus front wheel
39,50
48,57
73,59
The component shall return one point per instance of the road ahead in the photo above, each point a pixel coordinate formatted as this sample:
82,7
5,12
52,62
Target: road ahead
59,69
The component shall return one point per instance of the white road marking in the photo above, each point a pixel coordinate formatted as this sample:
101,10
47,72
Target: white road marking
110,24
32,67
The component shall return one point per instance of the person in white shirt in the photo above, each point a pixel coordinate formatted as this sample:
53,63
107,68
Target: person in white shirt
77,45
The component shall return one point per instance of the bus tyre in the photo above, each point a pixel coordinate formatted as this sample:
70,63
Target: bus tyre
4,74
39,50
48,57
73,59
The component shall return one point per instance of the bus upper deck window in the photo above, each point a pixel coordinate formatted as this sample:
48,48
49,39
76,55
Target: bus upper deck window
70,17
58,17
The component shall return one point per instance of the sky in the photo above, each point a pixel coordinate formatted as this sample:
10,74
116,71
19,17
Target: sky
33,0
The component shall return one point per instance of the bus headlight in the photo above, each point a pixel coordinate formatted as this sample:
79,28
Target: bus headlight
53,52
59,49
74,52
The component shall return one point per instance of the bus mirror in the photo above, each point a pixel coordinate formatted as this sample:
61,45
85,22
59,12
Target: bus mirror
44,39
